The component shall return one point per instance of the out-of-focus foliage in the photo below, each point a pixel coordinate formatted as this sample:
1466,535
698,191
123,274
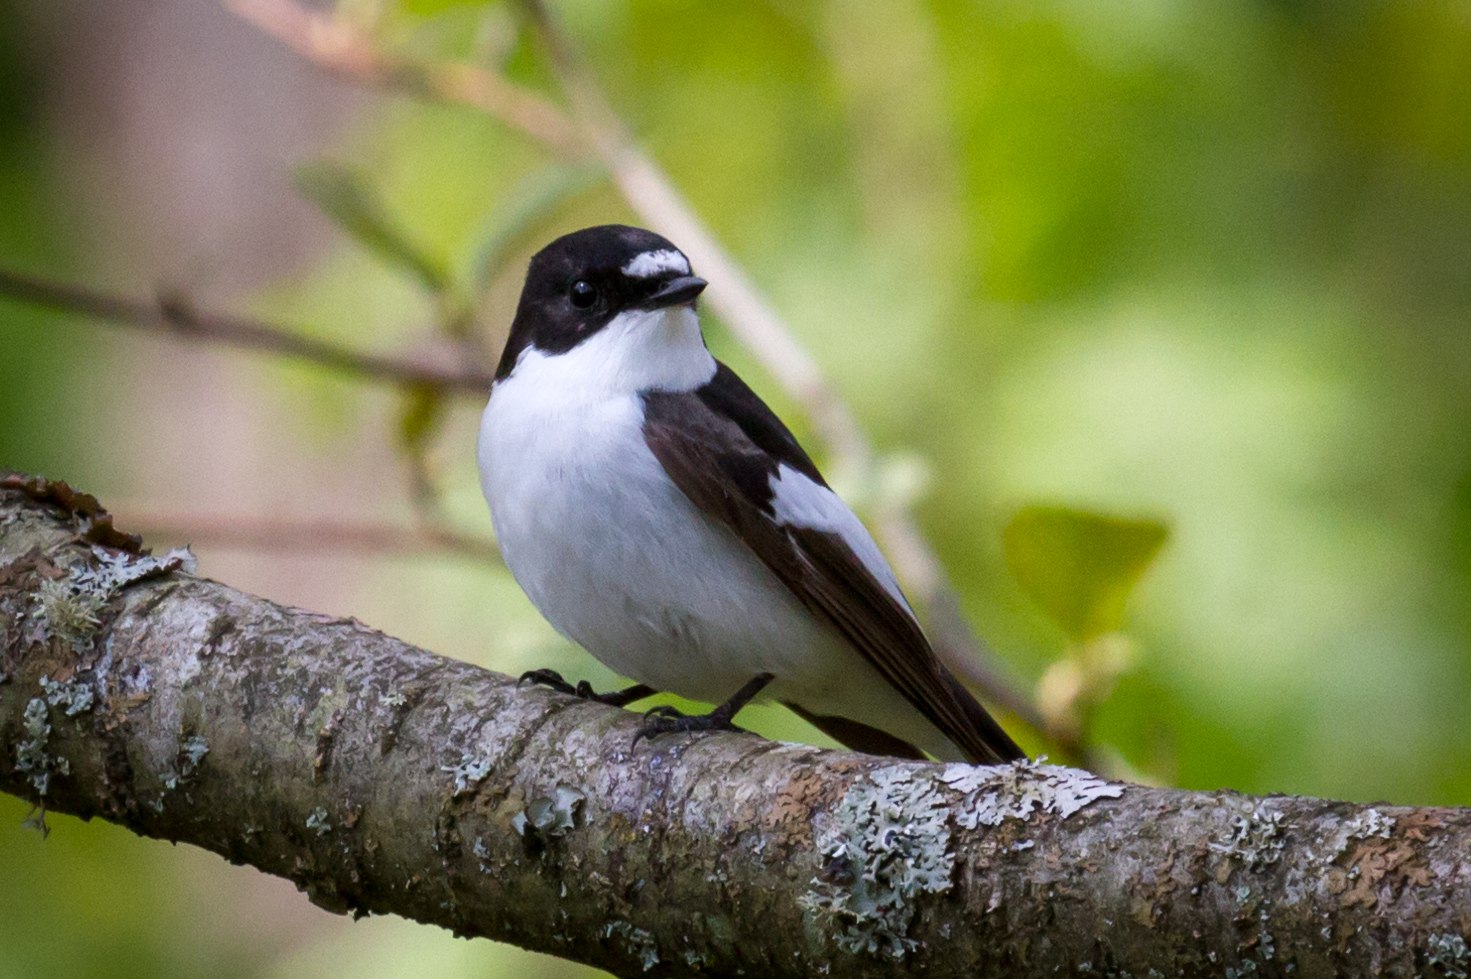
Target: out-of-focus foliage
1080,567
347,197
1210,262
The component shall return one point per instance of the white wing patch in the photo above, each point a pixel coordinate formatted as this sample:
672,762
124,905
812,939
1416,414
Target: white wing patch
800,502
646,265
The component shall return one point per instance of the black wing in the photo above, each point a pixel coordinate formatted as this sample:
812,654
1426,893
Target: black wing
721,445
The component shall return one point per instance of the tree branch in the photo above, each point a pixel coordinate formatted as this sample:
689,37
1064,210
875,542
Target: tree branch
176,316
384,779
311,534
337,47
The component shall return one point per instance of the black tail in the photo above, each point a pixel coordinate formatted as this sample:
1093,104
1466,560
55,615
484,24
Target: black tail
988,743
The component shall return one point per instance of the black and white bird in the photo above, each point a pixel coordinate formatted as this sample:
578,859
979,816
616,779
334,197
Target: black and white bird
663,518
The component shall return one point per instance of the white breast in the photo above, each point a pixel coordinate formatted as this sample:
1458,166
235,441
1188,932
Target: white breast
620,562
615,557
602,541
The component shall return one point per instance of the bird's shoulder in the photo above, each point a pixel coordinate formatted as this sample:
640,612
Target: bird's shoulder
736,461
733,429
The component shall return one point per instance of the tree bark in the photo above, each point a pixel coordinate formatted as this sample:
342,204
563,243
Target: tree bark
382,778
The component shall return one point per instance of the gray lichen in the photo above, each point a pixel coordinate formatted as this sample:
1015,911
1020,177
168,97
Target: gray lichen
884,845
991,795
191,752
115,570
1256,836
1365,824
71,696
1106,971
1266,943
636,941
469,773
70,608
1448,954
1369,822
31,756
317,821
547,817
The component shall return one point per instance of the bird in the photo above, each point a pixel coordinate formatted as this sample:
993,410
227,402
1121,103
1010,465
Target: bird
659,515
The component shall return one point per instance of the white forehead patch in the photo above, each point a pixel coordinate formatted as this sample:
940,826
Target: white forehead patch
648,264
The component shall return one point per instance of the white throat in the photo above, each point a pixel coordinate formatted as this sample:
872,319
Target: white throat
639,350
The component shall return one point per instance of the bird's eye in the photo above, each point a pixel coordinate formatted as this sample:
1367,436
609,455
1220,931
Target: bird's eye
582,294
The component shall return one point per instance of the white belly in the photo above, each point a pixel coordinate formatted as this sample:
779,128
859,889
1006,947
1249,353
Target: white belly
619,561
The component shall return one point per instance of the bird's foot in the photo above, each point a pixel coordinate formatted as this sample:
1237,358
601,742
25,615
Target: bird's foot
668,720
583,690
547,678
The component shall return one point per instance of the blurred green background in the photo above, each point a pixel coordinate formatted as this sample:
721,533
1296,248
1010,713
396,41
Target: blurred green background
1204,263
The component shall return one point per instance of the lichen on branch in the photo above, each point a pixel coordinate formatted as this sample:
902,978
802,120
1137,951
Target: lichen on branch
384,779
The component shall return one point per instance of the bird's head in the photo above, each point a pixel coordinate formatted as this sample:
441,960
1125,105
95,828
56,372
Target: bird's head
627,292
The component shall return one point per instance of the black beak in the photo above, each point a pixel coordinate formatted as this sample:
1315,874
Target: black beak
681,290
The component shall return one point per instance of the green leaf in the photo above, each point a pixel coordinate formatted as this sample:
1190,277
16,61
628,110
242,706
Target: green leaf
419,414
432,8
526,207
1080,567
346,197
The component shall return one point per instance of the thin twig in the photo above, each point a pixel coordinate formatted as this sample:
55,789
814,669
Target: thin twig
174,315
290,534
345,51
737,301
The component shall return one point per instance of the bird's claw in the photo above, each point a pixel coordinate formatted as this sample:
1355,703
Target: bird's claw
552,679
583,690
665,719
